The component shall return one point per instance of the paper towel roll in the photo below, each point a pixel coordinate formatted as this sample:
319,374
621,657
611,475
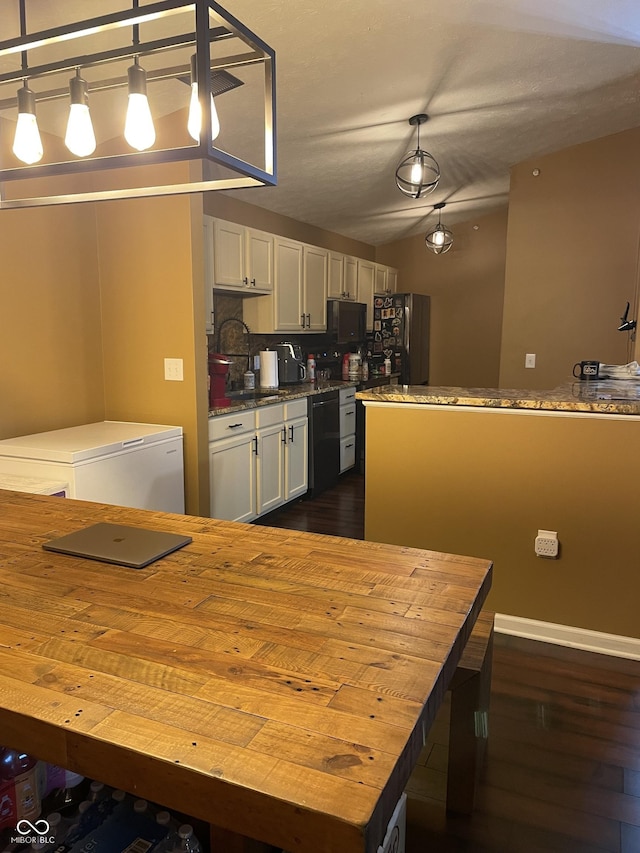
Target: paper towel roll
268,369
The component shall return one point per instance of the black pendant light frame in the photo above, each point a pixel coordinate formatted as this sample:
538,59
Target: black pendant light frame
412,185
440,239
212,23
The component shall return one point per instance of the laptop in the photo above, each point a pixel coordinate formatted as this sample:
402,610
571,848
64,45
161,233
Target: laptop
135,547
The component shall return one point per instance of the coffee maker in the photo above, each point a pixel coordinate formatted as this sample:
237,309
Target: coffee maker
218,372
291,367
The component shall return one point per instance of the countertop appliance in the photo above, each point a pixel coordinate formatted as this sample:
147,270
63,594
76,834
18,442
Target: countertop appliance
401,326
324,441
218,372
115,462
346,321
291,366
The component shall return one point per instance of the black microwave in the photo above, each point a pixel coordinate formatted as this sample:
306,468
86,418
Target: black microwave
346,321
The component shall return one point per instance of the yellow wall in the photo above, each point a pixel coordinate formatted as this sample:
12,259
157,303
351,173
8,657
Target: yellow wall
50,333
151,281
572,259
466,286
481,483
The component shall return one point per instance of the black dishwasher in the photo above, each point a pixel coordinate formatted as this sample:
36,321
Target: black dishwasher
324,441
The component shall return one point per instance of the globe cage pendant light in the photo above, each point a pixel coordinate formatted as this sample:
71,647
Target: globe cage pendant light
439,240
418,174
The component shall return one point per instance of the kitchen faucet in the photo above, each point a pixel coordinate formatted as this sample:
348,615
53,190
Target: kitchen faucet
246,355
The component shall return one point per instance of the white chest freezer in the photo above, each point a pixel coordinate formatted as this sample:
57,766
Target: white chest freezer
116,462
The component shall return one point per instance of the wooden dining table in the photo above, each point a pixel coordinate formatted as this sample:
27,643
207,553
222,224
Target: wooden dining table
275,683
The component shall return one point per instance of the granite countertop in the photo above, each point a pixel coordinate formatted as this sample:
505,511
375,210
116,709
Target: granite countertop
264,397
621,397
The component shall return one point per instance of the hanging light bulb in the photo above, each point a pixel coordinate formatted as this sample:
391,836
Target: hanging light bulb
439,239
194,122
27,145
418,174
138,129
79,138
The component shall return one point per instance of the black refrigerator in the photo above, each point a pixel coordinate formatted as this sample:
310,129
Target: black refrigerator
401,333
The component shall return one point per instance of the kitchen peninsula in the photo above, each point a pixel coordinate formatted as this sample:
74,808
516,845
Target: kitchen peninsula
480,471
267,681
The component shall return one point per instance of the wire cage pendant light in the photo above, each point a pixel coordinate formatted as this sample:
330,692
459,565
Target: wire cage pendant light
418,174
161,45
439,240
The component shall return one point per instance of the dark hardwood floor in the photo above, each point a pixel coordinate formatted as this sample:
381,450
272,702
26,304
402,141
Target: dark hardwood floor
562,772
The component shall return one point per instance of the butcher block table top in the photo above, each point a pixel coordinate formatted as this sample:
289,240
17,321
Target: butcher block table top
277,684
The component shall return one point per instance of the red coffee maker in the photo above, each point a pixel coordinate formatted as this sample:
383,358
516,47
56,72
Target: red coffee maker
218,372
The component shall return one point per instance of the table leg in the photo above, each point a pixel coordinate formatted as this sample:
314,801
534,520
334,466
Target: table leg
469,730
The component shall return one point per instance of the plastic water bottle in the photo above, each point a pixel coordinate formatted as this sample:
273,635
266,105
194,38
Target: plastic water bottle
140,806
171,840
186,841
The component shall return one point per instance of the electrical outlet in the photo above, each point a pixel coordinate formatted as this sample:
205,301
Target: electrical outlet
173,369
546,544
530,359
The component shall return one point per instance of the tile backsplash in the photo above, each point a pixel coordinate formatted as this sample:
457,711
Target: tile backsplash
233,341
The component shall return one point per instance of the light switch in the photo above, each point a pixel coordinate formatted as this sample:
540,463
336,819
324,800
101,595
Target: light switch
173,370
530,359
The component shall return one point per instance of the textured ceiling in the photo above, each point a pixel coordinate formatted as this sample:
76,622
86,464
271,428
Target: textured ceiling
502,81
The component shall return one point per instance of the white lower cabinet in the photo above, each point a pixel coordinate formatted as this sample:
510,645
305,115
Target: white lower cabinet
347,428
296,458
262,465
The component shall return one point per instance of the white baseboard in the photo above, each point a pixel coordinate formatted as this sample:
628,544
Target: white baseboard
566,635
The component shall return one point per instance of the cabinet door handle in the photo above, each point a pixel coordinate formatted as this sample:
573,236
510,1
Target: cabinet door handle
234,426
291,432
253,282
255,444
349,414
246,281
308,321
348,445
302,324
284,434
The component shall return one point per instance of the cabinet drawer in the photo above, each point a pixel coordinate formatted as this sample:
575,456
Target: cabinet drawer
347,420
347,453
295,409
347,395
269,415
226,426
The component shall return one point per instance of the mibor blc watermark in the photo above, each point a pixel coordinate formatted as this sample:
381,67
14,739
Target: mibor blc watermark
30,833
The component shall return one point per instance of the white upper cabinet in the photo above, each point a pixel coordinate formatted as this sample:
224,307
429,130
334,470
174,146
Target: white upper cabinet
386,279
366,286
299,300
343,281
316,269
287,313
242,257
